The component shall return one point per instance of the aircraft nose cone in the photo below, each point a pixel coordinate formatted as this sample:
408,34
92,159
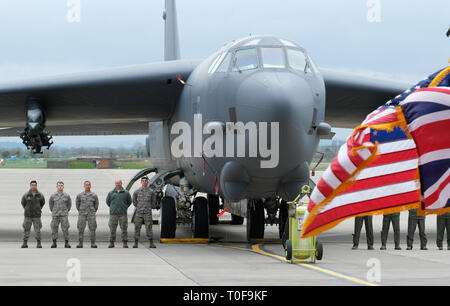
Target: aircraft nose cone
276,97
284,99
281,105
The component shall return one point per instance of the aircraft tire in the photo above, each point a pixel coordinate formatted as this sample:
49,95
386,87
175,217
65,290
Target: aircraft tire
213,209
288,250
285,235
282,217
255,221
200,220
319,253
168,217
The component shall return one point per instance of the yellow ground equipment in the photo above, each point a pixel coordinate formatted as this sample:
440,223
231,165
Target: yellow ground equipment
304,250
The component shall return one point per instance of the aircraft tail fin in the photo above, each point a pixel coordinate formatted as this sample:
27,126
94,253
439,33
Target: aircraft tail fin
171,41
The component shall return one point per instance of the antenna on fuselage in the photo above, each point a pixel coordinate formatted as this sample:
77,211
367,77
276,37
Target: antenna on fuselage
171,41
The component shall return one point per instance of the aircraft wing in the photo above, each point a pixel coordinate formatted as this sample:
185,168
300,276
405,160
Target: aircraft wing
118,100
351,97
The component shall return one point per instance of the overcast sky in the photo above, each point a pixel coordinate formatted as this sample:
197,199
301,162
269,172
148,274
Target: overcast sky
408,43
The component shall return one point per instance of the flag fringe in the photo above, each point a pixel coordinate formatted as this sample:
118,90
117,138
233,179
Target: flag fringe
440,77
385,211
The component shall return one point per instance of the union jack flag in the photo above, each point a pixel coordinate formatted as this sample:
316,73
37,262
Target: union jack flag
427,113
381,167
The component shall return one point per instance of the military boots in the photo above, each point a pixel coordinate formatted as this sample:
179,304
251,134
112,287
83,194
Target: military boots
93,245
80,244
152,246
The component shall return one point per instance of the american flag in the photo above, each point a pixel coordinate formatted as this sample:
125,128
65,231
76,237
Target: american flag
377,170
427,113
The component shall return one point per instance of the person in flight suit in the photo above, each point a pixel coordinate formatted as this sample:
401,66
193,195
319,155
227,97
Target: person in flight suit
387,219
143,199
32,203
443,223
87,206
413,221
60,204
369,231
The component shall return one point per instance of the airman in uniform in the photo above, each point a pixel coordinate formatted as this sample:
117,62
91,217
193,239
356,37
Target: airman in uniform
60,204
118,201
32,202
369,231
143,199
387,219
443,223
87,206
416,221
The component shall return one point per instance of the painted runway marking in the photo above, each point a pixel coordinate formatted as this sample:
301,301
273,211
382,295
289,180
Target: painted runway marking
256,249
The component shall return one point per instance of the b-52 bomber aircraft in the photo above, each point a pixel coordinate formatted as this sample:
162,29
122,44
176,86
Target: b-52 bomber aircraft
256,108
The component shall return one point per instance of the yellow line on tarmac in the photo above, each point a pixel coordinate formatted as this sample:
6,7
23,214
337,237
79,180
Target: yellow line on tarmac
186,240
256,249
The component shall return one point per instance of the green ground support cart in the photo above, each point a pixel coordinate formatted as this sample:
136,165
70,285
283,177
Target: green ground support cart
301,250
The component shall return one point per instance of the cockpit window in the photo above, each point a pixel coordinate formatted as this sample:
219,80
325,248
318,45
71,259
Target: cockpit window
273,58
297,60
225,64
216,62
245,59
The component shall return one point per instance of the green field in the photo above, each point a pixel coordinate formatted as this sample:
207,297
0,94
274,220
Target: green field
31,163
81,165
133,164
321,167
36,163
323,164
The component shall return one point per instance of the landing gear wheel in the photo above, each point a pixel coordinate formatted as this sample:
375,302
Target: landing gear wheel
288,250
213,209
200,220
168,217
319,252
237,220
285,235
255,220
282,217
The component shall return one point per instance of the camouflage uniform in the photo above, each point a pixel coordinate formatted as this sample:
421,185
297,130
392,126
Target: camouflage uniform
143,199
443,223
416,221
118,202
32,202
87,206
60,205
387,219
369,231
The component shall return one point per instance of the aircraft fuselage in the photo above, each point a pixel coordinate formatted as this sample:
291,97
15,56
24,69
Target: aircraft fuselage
252,81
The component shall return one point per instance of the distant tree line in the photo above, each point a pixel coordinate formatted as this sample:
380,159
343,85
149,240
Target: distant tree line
138,150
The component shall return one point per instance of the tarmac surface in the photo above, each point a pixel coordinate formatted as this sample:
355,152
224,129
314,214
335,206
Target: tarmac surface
230,262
